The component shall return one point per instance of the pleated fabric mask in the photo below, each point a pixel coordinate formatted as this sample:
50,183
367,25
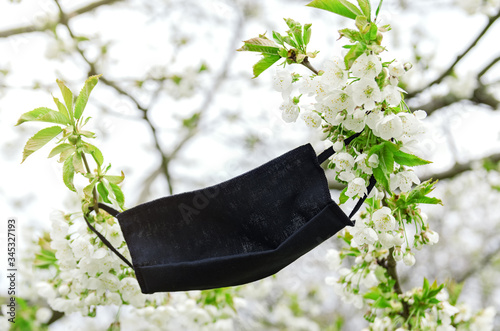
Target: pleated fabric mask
236,232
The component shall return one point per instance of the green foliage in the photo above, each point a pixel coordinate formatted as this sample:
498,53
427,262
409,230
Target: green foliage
264,63
40,139
340,7
83,97
43,114
72,148
292,46
418,195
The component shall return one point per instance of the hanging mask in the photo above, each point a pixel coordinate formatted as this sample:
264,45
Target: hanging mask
236,232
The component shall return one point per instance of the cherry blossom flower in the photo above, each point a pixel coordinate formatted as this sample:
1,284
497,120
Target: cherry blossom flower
335,73
366,92
388,127
356,187
289,111
366,66
312,119
383,219
404,180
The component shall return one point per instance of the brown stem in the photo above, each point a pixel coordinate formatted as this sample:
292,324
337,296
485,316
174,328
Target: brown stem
390,265
450,69
308,65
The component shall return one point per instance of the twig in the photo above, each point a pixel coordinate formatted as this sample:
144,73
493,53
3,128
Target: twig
94,191
34,28
448,71
390,265
488,67
309,66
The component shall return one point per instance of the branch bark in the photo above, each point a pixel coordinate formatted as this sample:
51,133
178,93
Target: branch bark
450,69
34,28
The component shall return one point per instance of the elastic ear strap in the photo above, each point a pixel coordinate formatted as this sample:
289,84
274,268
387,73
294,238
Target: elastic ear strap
360,202
112,212
329,151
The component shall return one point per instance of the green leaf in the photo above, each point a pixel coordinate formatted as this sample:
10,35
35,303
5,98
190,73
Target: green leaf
103,192
39,140
115,179
69,173
340,7
65,154
87,190
95,152
83,97
62,108
264,63
365,7
43,114
67,96
120,198
378,8
408,159
352,34
78,163
372,35
381,302
60,148
343,197
278,38
307,33
382,178
354,52
262,45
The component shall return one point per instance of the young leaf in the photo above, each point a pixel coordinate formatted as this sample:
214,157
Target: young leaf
381,177
103,192
60,148
262,45
264,63
343,197
408,159
65,154
278,38
340,7
87,190
69,173
365,7
78,163
39,140
115,179
354,52
67,96
62,108
307,33
120,198
95,152
44,114
83,97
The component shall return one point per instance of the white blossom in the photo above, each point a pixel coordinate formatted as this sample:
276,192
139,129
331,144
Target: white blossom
383,219
409,259
366,66
388,127
396,69
282,81
335,73
333,259
338,146
312,119
339,100
404,180
357,187
343,161
392,95
43,314
290,111
366,92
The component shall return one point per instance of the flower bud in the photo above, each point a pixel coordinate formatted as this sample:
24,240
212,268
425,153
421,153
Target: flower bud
408,66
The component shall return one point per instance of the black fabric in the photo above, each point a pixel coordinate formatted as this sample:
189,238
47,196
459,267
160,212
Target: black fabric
236,232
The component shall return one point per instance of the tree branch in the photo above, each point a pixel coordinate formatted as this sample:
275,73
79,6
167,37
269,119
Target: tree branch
457,169
450,69
34,28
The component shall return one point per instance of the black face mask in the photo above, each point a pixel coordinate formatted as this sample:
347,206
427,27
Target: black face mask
236,232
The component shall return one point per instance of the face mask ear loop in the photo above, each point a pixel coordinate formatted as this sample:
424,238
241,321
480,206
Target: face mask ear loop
112,212
329,152
360,202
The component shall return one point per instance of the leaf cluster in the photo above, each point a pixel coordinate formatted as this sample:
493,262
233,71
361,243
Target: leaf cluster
71,147
292,46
